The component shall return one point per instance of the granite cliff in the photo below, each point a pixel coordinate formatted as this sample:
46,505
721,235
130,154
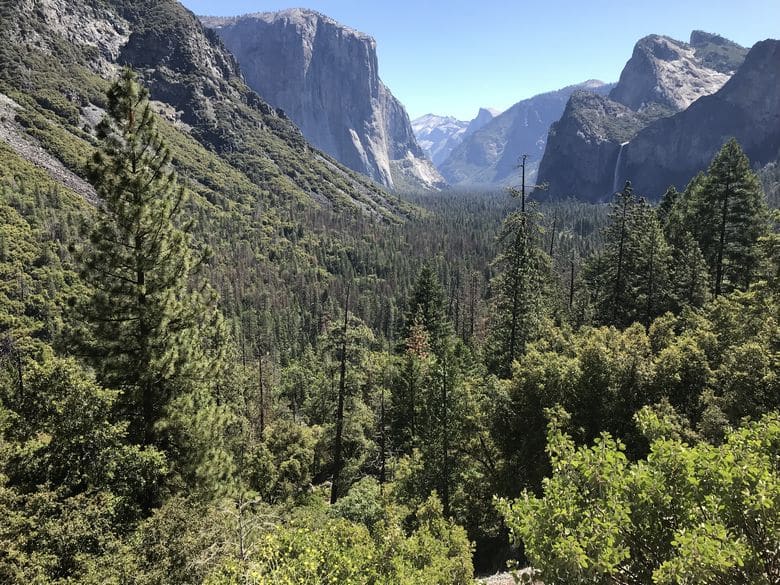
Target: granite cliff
325,77
666,72
230,145
672,150
587,149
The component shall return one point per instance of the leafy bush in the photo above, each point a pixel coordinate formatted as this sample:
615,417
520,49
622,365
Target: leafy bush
687,514
315,549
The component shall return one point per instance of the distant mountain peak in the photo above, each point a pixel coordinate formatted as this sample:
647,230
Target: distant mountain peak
488,156
492,111
591,84
717,52
484,115
672,150
438,135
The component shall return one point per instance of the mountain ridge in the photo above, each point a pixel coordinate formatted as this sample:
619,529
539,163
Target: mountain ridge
488,157
440,135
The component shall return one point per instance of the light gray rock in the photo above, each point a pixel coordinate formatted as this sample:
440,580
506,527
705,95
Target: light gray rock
438,135
666,72
325,77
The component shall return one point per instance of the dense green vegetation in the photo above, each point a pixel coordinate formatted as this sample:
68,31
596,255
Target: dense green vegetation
186,397
692,512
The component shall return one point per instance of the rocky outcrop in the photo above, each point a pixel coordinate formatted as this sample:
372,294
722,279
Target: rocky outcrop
489,155
672,150
666,72
717,52
594,127
483,117
325,77
588,150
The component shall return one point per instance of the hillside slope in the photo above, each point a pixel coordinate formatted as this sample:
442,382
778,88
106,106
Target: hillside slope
279,216
57,57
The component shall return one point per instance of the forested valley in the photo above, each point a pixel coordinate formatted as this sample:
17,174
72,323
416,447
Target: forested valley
589,390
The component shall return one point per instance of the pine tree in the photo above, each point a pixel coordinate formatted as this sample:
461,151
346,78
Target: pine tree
689,278
629,279
150,333
651,291
341,405
618,246
338,443
667,205
412,369
730,216
518,293
426,308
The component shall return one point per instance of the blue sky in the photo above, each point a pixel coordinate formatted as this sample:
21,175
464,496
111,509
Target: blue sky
451,57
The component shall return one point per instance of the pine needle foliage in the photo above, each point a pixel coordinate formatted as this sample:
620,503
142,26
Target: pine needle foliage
152,331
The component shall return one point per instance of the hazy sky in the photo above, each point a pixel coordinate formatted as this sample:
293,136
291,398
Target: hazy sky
451,57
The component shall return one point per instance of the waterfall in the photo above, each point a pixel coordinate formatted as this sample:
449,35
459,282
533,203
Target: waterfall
616,175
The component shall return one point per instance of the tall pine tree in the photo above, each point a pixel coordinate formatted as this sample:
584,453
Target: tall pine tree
689,279
629,279
151,333
651,288
730,216
519,304
426,309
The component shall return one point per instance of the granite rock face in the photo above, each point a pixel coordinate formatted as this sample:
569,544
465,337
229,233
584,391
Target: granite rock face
588,136
665,72
588,150
488,157
672,150
325,77
195,85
